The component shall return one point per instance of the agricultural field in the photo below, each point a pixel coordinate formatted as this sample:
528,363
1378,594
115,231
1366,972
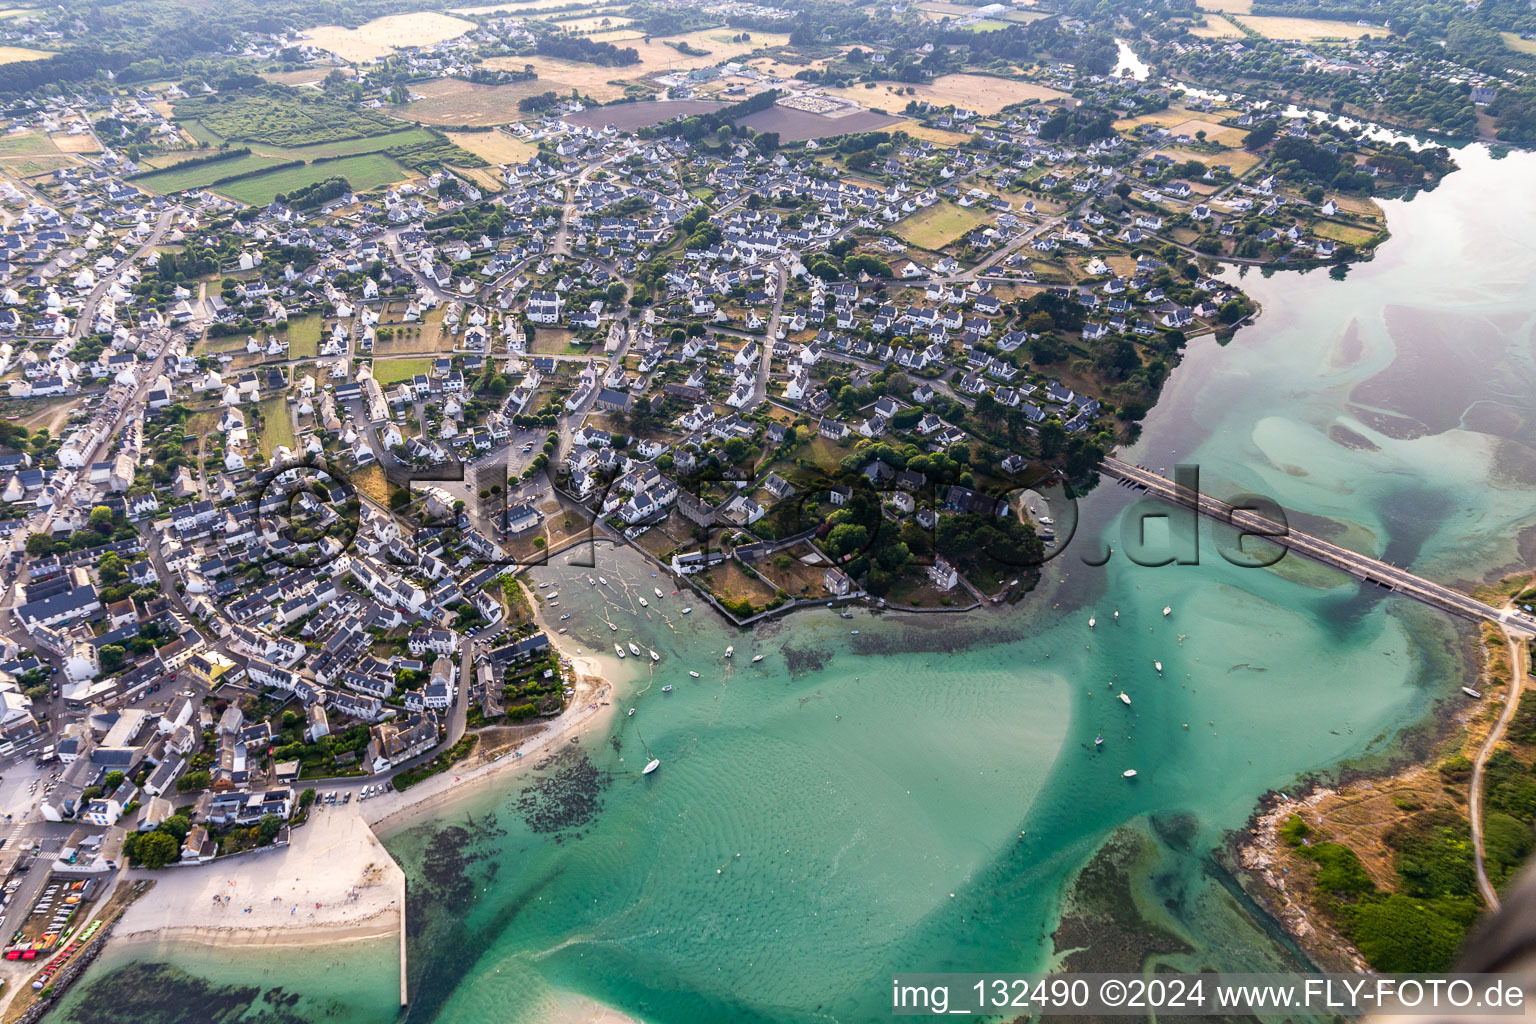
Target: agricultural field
25,154
382,36
984,94
174,179
1216,27
1226,6
594,23
494,147
276,425
939,225
799,125
453,101
365,172
304,336
26,144
279,119
388,371
19,54
1240,160
629,116
1514,42
85,142
1354,234
532,5
937,136
1308,29
350,147
304,76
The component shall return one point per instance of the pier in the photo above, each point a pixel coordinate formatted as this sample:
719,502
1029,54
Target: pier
1371,570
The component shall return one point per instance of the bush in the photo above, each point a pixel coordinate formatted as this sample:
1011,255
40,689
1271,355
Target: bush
1399,934
1340,872
193,780
1294,831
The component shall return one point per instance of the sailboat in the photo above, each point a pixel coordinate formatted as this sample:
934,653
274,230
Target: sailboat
1092,622
658,592
554,594
694,674
634,648
1129,773
655,656
618,650
756,658
602,581
655,763
730,651
631,712
591,582
1125,698
1167,610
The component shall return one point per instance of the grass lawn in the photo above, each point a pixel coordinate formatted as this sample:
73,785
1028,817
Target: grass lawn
496,146
350,147
304,336
729,582
939,225
27,144
20,54
363,172
1340,232
388,371
276,425
1514,42
175,179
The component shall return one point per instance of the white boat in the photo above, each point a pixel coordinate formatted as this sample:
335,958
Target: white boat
730,651
1471,693
1167,610
1129,773
1117,614
618,650
667,688
1092,622
634,648
655,656
562,629
853,632
602,581
554,594
591,582
756,658
1097,740
565,616
694,674
1125,698
644,603
613,626
688,609
631,712
655,763
1159,666
658,593
543,585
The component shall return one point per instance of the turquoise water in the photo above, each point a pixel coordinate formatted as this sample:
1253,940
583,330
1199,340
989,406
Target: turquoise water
875,787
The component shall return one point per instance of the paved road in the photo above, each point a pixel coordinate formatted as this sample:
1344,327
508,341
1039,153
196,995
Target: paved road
1371,570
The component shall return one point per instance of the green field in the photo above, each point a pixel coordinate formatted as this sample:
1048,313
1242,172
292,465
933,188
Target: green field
304,336
352,147
201,133
940,224
283,119
388,371
27,144
276,425
364,172
175,180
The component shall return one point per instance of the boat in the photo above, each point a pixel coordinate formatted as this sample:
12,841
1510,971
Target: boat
554,594
562,629
1167,610
631,711
644,603
694,674
655,656
659,594
543,585
1117,614
634,648
688,609
554,604
565,616
613,626
756,658
1129,773
1159,666
730,651
591,582
847,615
1471,693
667,688
1098,741
1125,698
618,650
853,632
1092,622
655,763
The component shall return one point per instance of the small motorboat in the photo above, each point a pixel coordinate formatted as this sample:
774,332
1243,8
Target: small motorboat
591,582
1125,698
1117,614
655,763
1471,693
562,629
658,592
543,585
756,658
1159,666
1167,610
694,674
631,713
688,609
730,651
618,650
667,688
1092,622
602,581
613,626
565,616
655,656
853,632
1098,741
554,594
634,648
1129,773
644,603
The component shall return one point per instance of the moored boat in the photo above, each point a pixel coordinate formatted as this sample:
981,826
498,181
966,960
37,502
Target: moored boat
756,658
1159,666
644,603
688,609
1125,698
631,712
1092,622
694,674
658,593
1129,773
618,650
655,656
1471,693
634,648
1167,610
730,651
655,763
667,688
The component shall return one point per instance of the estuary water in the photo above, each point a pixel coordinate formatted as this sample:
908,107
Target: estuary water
922,795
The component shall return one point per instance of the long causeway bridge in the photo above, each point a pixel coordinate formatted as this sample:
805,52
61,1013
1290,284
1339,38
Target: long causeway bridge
1371,570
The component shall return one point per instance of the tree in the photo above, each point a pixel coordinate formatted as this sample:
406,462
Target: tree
156,850
846,538
114,779
307,797
112,656
178,825
268,827
101,519
193,780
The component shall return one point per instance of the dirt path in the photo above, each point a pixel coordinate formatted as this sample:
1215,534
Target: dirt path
1517,656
